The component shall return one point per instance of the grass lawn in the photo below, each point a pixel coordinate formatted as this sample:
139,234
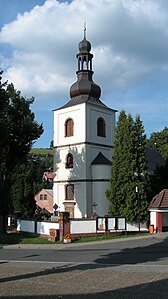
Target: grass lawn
20,238
108,237
41,151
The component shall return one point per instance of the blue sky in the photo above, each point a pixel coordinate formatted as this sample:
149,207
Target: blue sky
39,42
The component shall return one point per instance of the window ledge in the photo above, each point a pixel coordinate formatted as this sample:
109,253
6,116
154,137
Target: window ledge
69,201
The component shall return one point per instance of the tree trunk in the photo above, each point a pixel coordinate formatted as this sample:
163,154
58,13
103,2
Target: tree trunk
2,226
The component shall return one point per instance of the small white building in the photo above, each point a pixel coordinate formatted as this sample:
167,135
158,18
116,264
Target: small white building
83,145
158,209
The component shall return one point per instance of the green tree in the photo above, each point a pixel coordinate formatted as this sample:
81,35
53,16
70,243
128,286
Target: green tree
141,177
39,165
18,131
159,141
26,181
127,167
21,192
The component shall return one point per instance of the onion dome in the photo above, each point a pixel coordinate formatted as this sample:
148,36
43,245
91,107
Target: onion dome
84,88
84,46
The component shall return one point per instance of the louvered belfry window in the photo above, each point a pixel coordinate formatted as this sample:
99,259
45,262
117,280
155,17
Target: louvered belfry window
101,127
69,127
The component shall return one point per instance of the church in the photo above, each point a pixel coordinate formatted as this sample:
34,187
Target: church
84,131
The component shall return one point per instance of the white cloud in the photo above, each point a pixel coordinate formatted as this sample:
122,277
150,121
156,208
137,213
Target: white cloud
129,39
129,42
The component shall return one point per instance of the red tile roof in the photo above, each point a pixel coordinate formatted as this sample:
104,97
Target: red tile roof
48,175
160,200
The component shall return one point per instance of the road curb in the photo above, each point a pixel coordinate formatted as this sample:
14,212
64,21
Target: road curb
73,245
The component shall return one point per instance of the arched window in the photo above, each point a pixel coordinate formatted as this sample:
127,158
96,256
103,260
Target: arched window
69,161
101,127
69,127
69,192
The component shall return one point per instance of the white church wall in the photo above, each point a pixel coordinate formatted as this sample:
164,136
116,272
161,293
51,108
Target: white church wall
78,170
89,200
83,198
93,113
77,113
99,197
80,205
59,195
80,195
101,172
65,176
91,153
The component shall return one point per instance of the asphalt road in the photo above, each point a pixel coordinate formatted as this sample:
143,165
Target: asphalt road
130,268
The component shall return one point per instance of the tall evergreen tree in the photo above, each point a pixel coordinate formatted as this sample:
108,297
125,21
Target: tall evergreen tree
128,170
120,165
140,172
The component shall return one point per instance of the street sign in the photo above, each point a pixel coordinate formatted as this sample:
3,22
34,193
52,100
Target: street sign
55,206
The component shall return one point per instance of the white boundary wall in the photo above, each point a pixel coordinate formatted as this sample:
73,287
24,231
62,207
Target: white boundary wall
84,226
89,226
26,226
133,227
80,226
43,227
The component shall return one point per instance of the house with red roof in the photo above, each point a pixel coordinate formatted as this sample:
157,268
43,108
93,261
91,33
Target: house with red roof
158,209
44,200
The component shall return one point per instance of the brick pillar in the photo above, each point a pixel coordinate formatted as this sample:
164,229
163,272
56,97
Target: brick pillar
64,225
159,222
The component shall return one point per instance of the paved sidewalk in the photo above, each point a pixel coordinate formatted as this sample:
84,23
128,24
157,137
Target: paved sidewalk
56,246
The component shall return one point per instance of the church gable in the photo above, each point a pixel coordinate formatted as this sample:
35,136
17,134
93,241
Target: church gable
101,160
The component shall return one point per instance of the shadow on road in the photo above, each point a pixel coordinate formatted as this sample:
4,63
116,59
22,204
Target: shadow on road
145,291
139,254
135,255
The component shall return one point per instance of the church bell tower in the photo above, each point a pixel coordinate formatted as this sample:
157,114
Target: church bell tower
83,144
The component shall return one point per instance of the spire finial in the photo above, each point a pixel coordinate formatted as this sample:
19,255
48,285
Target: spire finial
84,29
